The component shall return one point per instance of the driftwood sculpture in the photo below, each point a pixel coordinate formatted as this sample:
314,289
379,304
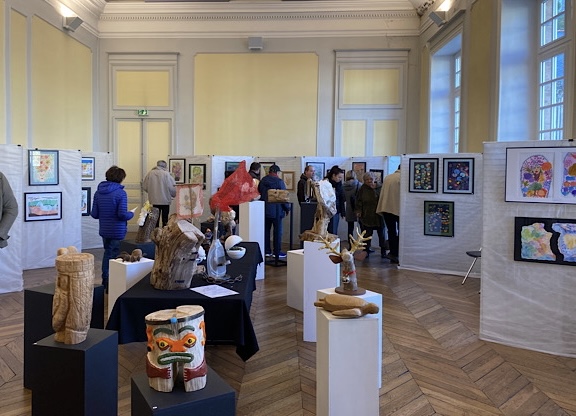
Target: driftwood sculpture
147,222
346,306
72,303
176,339
176,251
325,209
348,278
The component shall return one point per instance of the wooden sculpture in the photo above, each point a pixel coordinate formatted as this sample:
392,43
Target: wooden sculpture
72,302
346,306
325,209
348,278
176,339
147,222
176,251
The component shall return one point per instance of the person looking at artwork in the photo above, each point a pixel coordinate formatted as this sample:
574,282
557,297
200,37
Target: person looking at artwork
305,191
351,186
110,208
161,189
8,210
335,176
370,221
274,212
255,170
389,207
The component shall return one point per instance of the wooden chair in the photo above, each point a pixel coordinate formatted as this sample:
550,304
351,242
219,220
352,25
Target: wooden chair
476,254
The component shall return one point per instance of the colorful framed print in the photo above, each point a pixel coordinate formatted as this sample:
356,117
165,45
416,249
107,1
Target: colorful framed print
42,167
197,175
360,169
88,168
541,174
458,176
176,168
439,218
231,166
42,206
423,175
86,201
378,175
264,167
545,240
319,170
288,178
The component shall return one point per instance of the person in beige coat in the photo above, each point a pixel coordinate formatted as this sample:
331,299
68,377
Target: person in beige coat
8,210
389,207
161,189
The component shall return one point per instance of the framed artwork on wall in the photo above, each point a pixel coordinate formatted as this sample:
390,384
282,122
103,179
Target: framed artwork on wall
378,175
541,174
439,218
42,206
197,175
88,168
360,169
86,201
176,168
545,240
319,170
423,175
288,178
458,176
264,167
231,166
42,167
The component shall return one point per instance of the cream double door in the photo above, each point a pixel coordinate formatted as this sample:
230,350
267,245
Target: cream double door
138,144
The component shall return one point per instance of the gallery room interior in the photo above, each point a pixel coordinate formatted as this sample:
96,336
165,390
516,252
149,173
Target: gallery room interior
367,85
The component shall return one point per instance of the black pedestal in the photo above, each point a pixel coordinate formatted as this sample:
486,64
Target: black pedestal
38,320
79,379
216,399
148,249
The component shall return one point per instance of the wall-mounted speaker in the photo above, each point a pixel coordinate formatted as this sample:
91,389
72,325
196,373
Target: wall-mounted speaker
72,23
255,44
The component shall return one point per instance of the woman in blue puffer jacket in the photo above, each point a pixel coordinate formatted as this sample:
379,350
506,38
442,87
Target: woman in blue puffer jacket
110,207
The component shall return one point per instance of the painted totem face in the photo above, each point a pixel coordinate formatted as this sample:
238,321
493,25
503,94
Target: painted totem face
173,344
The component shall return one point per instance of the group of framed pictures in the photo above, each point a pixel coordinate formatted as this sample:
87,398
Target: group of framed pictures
458,175
196,172
545,240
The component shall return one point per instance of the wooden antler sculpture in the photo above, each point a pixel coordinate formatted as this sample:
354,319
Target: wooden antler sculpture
348,278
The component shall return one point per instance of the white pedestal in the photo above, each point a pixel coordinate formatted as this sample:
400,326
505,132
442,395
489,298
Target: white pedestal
295,280
124,275
319,272
252,228
373,297
346,365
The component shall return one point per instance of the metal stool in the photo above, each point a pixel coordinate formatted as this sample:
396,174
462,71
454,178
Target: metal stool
476,254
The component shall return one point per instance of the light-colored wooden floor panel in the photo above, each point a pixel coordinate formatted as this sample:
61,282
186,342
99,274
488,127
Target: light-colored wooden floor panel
433,361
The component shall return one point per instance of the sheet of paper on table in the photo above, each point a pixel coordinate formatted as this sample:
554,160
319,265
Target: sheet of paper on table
213,291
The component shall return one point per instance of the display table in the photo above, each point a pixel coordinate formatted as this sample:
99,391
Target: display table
227,318
216,399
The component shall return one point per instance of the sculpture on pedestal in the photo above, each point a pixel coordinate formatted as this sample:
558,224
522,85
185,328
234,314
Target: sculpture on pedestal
346,306
146,222
72,303
348,278
175,344
326,209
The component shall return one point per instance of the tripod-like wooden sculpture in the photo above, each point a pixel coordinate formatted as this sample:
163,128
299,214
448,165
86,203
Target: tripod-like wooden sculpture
348,278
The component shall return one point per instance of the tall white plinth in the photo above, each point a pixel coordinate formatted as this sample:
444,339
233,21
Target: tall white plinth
295,279
346,365
319,272
373,297
124,275
252,228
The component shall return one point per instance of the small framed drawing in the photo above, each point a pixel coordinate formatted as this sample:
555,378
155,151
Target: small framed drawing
423,175
378,175
197,175
42,206
42,167
176,168
439,218
360,169
458,176
264,167
288,178
230,166
86,200
319,170
88,168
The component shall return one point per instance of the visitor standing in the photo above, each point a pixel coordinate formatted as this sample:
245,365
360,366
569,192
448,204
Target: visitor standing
8,210
161,189
370,221
389,206
335,176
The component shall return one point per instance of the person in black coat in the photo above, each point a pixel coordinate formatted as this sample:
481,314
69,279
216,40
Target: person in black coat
335,176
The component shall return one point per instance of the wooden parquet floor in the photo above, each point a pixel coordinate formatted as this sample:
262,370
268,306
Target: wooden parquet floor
433,361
